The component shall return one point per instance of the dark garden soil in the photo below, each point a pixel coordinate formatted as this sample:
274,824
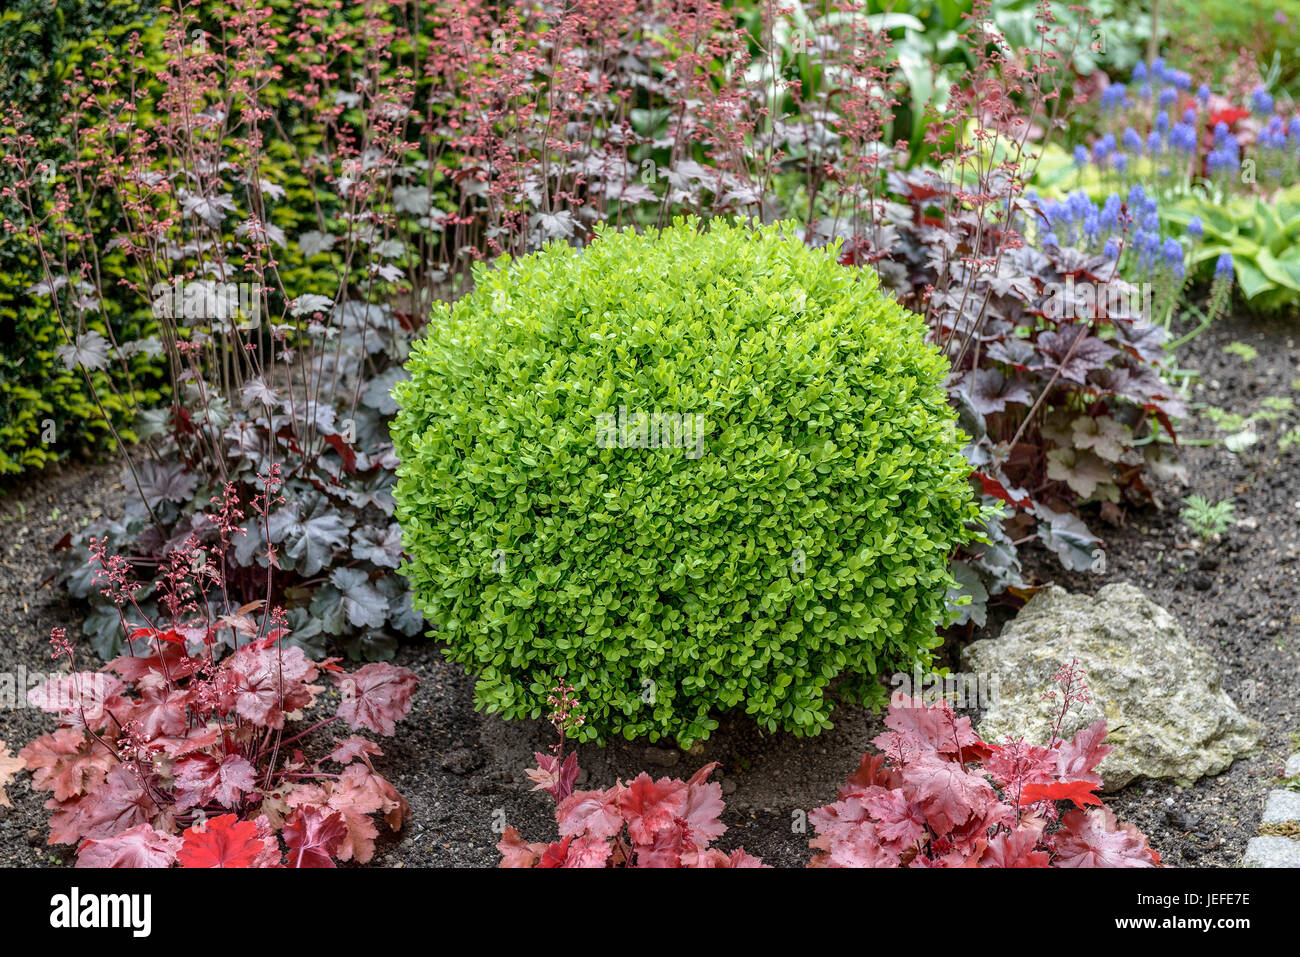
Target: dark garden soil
463,772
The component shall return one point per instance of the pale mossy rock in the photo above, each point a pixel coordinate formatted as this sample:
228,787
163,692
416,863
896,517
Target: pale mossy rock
1166,712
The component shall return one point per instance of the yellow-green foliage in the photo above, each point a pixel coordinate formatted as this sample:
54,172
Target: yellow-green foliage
798,539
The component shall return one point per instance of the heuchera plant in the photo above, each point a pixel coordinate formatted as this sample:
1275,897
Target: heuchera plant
938,796
1061,378
174,756
647,823
246,181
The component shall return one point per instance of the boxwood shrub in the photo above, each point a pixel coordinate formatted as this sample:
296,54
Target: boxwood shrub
561,518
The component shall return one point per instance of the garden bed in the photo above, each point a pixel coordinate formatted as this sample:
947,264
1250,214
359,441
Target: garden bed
463,772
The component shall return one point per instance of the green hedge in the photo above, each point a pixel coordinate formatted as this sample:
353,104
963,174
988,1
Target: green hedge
46,409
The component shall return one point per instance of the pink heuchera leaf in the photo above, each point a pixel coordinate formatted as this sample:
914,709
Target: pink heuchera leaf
352,749
856,846
9,766
81,700
670,823
714,858
67,762
551,776
917,727
899,821
160,712
1017,848
201,779
139,846
1093,838
376,696
948,794
928,802
1084,752
117,805
313,835
264,684
595,813
515,852
702,813
1018,763
651,806
665,850
588,851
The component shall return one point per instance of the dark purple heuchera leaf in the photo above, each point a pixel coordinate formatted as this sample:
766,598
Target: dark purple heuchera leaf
1016,352
168,482
1142,340
1075,352
1074,262
990,391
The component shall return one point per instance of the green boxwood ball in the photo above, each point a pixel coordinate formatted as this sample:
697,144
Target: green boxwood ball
688,471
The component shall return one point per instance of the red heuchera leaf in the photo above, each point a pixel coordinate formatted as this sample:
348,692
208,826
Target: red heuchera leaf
313,835
994,487
161,712
1093,838
224,841
377,696
1228,115
552,776
67,762
355,795
555,854
139,846
171,662
872,771
651,806
1080,792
